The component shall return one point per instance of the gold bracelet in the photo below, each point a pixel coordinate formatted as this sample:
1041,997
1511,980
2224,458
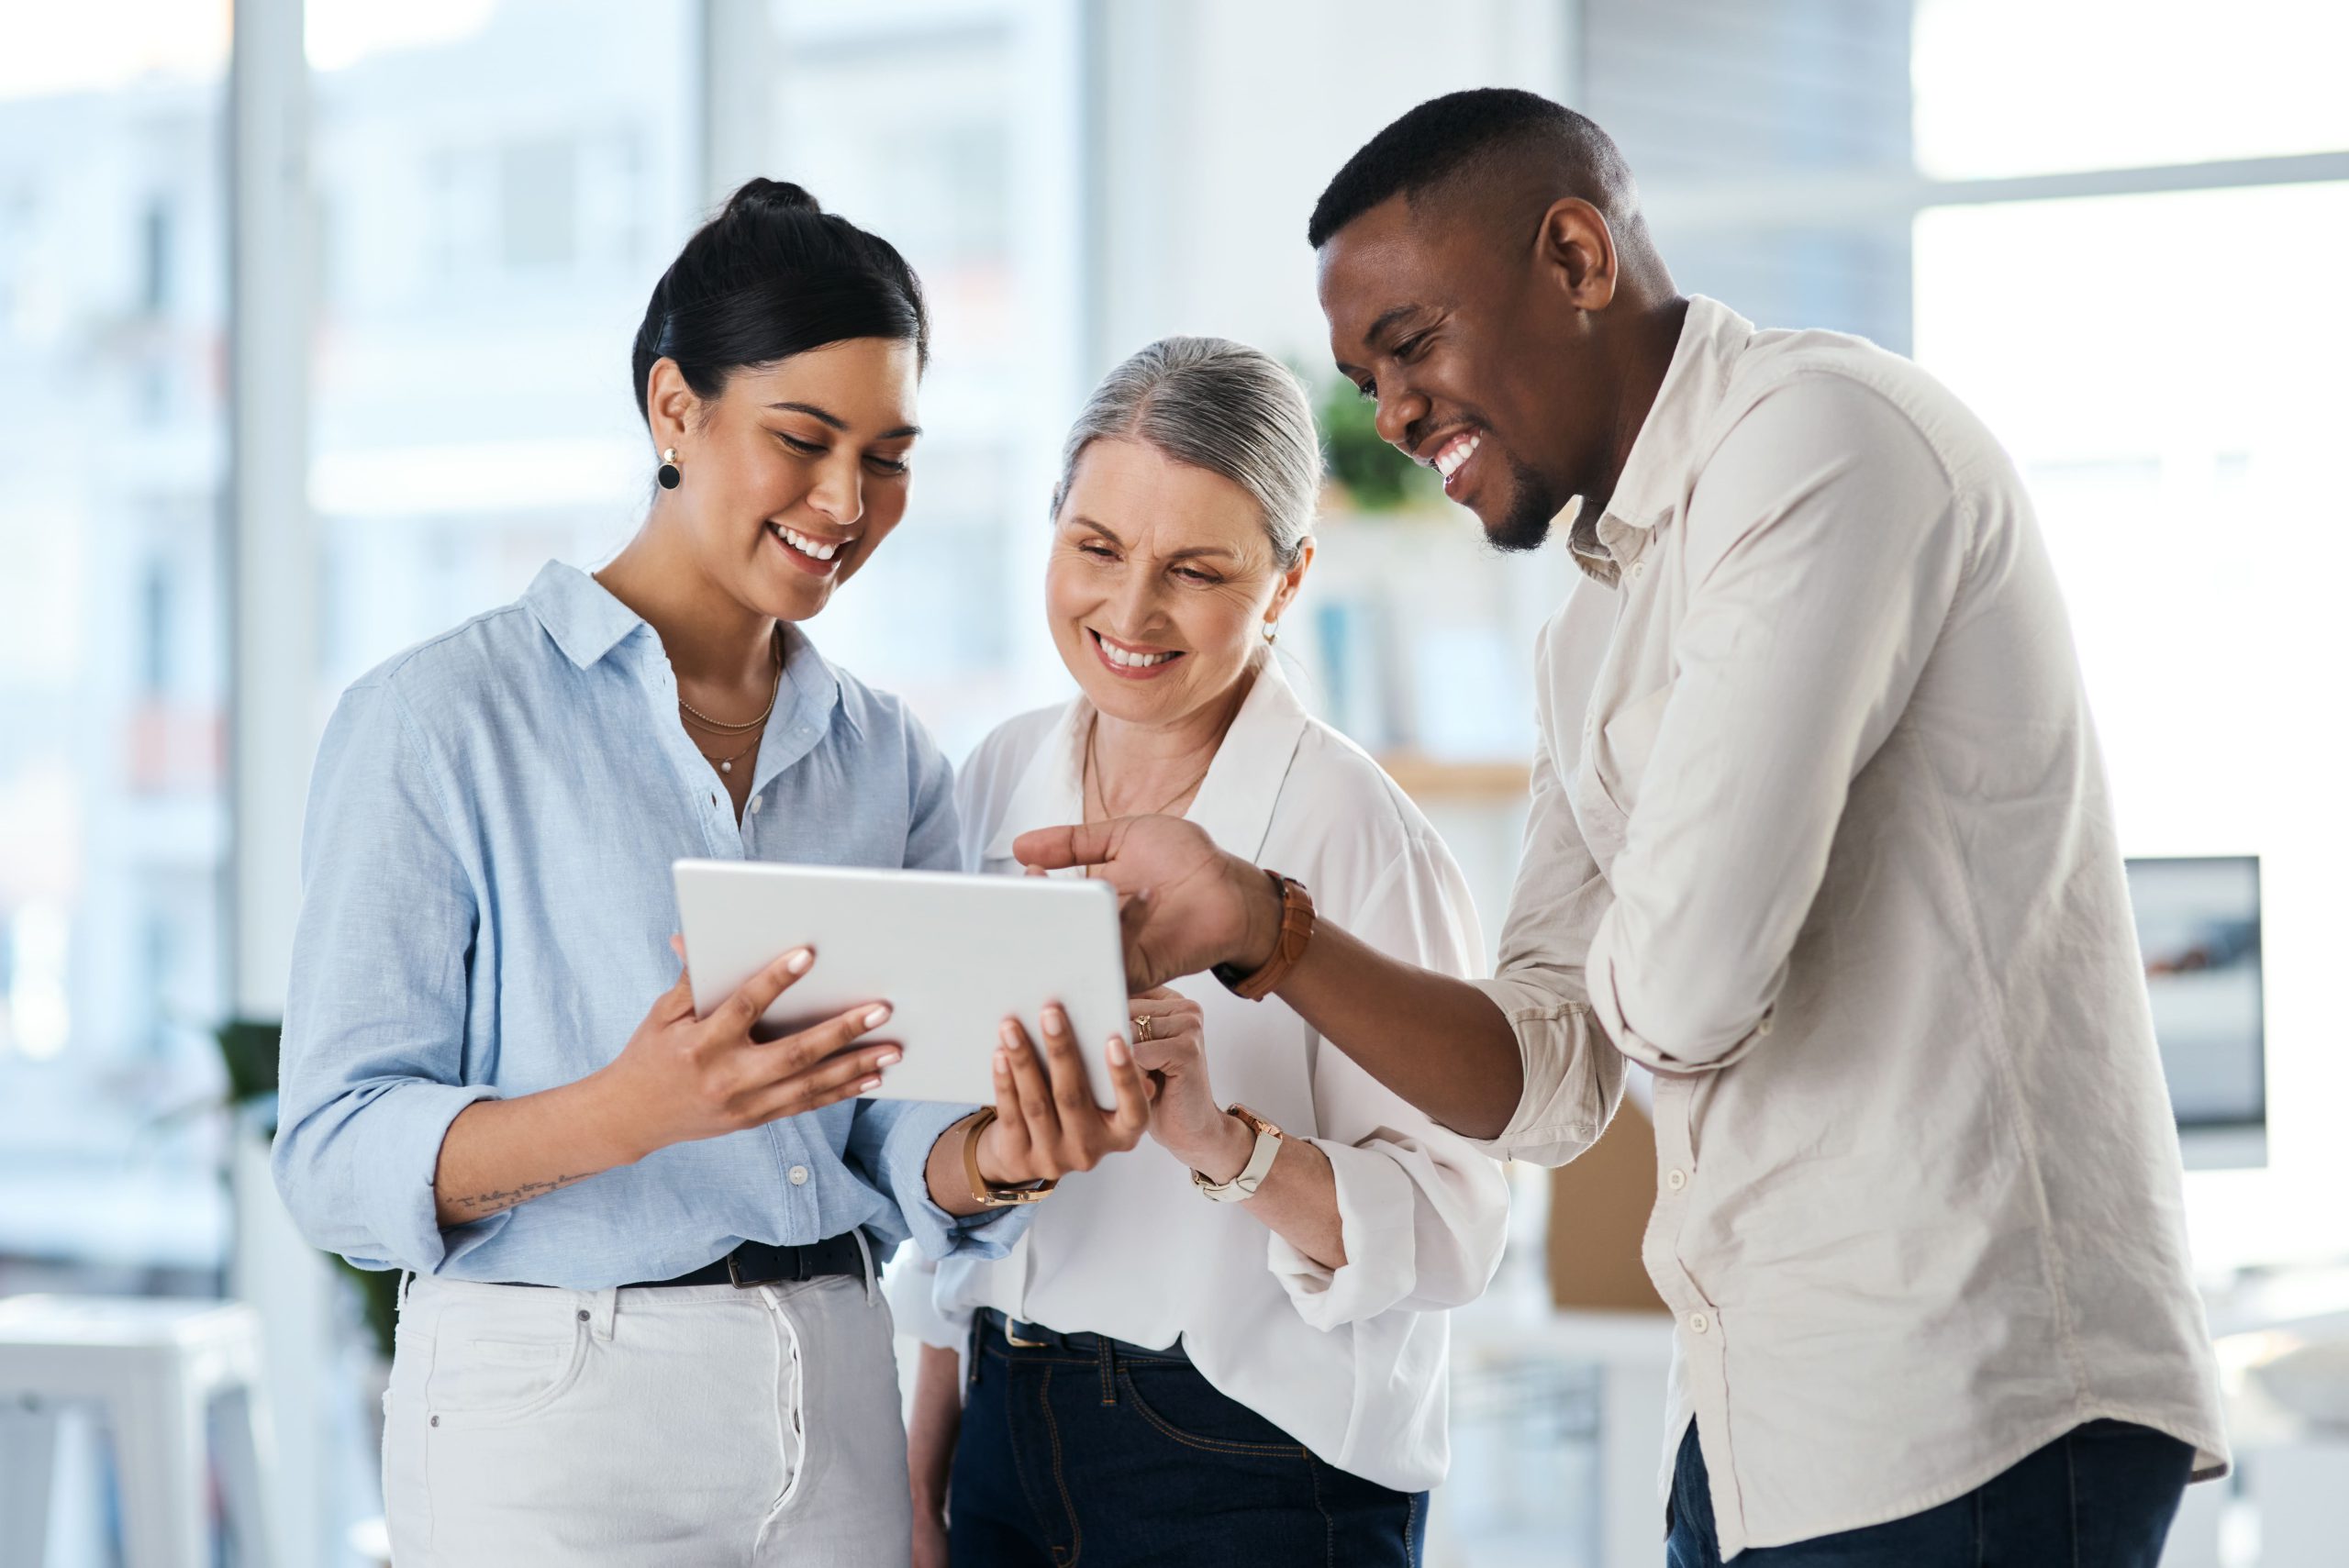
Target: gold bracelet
984,1193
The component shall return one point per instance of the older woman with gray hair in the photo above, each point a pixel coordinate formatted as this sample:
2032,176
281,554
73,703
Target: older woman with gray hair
1230,1346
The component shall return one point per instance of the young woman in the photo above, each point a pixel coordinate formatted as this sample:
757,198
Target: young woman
1231,1349
642,1328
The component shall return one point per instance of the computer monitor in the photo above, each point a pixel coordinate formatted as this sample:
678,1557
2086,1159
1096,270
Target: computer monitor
2198,925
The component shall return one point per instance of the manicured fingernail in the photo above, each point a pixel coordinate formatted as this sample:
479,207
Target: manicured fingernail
1118,1054
878,1016
1011,1033
799,960
1002,1065
868,1085
887,1059
1055,1020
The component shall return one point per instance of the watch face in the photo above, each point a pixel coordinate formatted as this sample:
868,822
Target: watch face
1253,1120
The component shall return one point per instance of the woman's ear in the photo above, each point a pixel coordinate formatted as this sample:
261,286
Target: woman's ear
1291,580
669,404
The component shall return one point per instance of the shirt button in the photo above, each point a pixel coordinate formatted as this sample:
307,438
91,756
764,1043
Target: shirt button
799,1175
1675,1180
1763,1026
1698,1322
1638,567
755,800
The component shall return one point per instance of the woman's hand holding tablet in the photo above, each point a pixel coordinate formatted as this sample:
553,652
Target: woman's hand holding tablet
685,1077
1045,1122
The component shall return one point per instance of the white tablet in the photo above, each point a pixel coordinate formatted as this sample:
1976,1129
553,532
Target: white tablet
953,956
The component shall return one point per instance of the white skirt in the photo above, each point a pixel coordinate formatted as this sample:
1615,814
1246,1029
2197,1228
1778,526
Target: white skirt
700,1424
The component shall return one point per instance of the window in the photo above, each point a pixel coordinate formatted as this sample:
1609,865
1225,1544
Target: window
509,177
112,822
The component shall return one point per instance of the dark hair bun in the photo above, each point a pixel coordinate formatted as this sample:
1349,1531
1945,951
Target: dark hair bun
763,195
773,275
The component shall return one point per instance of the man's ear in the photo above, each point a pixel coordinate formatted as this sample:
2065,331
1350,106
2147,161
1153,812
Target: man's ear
1577,248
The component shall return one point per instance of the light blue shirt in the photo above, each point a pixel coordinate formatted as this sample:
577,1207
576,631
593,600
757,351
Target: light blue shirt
486,907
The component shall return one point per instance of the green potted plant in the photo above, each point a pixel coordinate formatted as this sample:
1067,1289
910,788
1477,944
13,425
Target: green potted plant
249,1050
1374,475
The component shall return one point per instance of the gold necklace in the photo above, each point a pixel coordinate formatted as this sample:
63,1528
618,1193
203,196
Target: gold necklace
1101,793
726,764
719,725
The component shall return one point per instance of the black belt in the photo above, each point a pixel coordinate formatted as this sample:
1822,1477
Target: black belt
756,1263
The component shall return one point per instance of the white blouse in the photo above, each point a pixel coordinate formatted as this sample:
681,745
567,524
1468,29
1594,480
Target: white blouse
1352,1362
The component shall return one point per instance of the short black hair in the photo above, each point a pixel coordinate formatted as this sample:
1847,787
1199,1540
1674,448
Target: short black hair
770,277
1449,136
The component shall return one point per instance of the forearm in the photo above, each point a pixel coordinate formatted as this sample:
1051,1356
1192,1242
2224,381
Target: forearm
1298,1199
937,1424
498,1153
1438,1043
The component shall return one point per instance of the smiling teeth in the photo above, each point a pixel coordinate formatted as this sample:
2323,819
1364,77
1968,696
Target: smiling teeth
1131,661
1448,461
812,548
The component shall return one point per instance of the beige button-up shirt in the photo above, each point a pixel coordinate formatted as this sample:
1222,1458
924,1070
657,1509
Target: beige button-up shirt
1821,834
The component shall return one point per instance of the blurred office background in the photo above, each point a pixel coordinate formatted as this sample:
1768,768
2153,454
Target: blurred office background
314,328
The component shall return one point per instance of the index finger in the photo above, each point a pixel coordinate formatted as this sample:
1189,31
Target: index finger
1077,844
1071,1088
1131,1117
755,996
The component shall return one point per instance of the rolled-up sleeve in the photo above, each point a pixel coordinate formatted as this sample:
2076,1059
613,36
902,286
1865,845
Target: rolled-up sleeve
891,1140
1818,583
1574,1076
1422,1214
373,1054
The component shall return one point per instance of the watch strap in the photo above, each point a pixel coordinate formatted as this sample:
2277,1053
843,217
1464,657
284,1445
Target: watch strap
1260,1161
1297,930
984,1193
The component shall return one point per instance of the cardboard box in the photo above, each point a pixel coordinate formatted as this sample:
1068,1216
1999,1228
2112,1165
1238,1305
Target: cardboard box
1598,1211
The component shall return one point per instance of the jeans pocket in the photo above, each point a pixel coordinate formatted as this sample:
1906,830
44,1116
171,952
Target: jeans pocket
1186,1409
477,1380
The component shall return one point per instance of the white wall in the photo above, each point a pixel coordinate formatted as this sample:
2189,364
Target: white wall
1223,119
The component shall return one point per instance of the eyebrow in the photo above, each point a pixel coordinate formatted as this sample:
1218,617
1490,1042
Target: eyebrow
825,416
1196,549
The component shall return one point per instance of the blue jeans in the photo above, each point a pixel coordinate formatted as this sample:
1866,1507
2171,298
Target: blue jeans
2101,1496
1086,1452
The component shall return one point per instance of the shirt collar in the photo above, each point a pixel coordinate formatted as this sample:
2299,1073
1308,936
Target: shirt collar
1234,804
1655,475
585,621
588,622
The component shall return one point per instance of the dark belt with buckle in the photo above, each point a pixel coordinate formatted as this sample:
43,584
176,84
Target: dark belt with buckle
756,1263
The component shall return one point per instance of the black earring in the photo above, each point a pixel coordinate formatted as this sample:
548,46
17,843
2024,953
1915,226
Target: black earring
670,473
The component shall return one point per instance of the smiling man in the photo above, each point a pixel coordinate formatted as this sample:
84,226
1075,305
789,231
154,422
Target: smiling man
1819,835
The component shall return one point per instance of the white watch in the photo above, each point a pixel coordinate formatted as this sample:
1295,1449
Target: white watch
1242,1187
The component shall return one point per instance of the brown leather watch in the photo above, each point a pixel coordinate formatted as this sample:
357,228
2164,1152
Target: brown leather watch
1297,930
984,1193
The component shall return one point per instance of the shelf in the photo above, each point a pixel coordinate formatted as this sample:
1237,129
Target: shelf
1430,778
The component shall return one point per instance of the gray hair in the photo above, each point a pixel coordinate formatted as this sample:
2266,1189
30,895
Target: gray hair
1215,404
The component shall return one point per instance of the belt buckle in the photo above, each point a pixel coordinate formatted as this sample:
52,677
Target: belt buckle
734,1270
1012,1337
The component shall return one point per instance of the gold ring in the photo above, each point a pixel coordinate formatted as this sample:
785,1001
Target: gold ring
1142,1025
